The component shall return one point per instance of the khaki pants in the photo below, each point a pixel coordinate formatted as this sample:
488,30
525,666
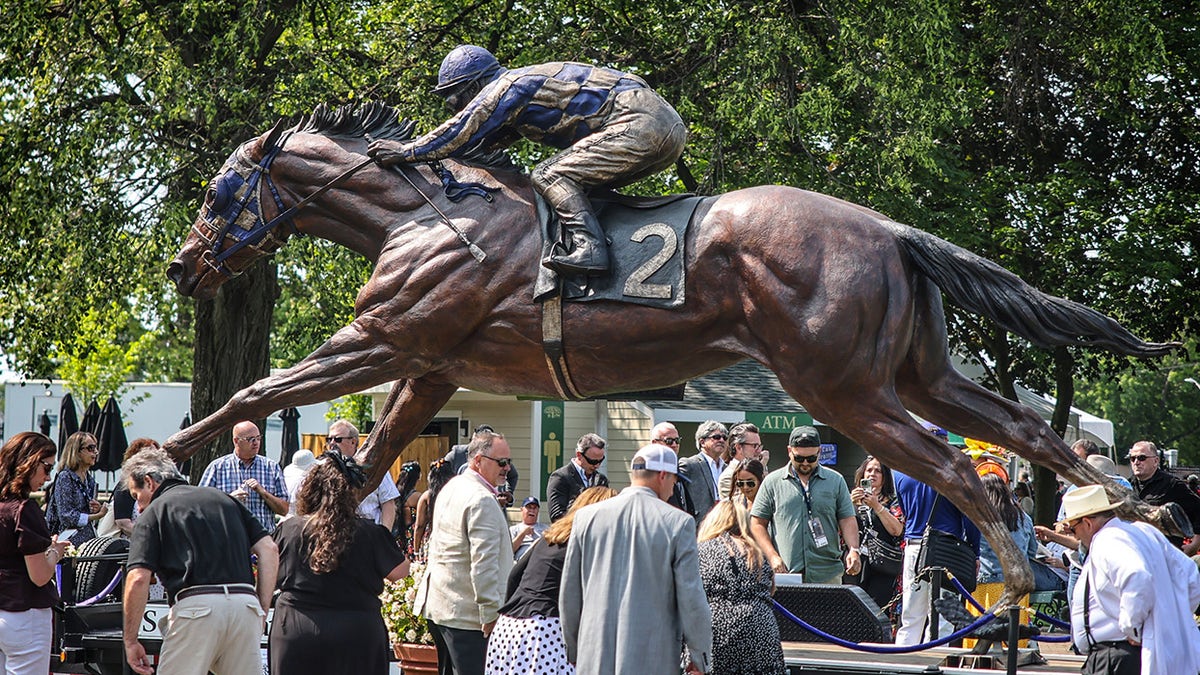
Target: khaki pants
213,633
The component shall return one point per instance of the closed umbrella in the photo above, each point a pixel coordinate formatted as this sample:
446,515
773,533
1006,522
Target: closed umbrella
44,423
110,437
91,418
68,420
185,467
290,440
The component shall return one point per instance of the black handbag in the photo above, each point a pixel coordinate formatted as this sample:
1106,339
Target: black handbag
884,558
939,549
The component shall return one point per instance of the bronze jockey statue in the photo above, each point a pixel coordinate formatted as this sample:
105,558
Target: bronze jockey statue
612,130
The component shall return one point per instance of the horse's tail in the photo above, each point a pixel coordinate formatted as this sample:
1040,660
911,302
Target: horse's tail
980,286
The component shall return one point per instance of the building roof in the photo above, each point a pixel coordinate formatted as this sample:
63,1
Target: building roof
747,385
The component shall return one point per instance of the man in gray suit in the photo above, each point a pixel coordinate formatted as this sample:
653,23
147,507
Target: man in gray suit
703,469
635,543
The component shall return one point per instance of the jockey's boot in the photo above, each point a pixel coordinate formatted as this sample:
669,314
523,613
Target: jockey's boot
589,251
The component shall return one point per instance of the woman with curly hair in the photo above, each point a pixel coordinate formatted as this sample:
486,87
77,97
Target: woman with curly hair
73,504
28,556
331,570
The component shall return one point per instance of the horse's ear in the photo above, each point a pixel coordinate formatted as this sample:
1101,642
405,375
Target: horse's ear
273,135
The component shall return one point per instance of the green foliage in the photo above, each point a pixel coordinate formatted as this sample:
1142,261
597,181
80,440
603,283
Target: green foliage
357,408
1154,404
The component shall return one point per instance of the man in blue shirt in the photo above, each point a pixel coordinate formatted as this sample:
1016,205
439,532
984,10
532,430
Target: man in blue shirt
917,502
611,127
249,477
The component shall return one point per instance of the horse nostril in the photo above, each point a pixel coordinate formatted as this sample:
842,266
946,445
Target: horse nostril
175,271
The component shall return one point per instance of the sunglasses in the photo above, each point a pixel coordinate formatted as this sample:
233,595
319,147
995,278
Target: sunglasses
1138,458
746,484
90,447
717,437
500,462
48,466
339,439
752,445
670,441
806,459
250,439
593,462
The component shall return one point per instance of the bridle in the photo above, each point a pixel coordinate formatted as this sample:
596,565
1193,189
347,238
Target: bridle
235,201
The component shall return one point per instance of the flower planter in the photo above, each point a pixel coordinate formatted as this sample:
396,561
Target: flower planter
416,659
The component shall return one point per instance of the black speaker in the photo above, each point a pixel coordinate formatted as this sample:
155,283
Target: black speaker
846,612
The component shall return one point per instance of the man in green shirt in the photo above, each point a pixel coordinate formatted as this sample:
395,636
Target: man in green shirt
808,507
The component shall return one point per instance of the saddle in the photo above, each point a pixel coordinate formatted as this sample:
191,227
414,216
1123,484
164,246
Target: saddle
647,236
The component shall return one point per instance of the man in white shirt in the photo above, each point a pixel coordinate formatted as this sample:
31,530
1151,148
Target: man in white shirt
1132,610
526,533
703,470
380,505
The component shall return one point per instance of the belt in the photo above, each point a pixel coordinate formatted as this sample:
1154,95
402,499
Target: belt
216,589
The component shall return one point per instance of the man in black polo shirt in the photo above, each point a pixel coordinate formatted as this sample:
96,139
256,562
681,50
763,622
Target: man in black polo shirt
1156,486
198,541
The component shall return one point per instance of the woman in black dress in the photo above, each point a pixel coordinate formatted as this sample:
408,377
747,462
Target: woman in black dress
331,570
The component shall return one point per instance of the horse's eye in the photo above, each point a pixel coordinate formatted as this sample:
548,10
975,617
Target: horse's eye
220,194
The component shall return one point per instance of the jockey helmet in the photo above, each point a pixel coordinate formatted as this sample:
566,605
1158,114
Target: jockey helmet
466,64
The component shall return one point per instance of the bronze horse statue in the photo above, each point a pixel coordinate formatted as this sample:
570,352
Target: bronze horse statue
842,303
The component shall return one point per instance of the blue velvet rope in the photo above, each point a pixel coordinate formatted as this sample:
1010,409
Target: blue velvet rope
1037,638
881,649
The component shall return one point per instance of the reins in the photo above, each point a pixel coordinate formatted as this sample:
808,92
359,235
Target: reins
476,252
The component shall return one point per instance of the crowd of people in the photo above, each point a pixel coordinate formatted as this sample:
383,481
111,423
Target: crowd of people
697,541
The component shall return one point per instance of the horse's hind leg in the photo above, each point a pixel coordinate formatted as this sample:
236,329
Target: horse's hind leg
875,418
931,387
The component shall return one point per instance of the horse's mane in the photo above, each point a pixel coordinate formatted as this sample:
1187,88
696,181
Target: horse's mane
374,120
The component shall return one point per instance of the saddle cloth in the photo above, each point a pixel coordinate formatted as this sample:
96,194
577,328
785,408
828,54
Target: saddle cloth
647,251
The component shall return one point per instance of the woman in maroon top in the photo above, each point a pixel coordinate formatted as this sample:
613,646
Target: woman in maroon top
28,556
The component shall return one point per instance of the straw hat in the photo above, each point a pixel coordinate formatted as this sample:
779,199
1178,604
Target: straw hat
1086,501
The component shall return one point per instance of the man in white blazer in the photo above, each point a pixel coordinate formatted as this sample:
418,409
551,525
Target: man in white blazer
631,594
470,556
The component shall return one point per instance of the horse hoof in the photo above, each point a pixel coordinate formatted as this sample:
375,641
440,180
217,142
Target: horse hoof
1177,519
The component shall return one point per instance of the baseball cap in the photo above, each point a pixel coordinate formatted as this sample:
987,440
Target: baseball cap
530,500
657,458
804,437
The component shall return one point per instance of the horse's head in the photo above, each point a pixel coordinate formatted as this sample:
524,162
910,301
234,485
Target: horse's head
231,231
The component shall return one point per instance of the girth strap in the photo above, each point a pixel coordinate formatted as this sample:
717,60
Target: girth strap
552,345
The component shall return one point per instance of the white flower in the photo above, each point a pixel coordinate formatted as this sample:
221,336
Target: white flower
410,636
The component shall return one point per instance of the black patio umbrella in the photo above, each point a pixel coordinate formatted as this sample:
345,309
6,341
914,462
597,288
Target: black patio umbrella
91,418
44,423
110,437
68,420
290,440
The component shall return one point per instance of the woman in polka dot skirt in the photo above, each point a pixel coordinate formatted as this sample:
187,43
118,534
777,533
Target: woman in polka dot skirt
528,639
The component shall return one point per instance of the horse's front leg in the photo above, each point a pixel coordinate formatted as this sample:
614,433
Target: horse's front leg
350,361
409,407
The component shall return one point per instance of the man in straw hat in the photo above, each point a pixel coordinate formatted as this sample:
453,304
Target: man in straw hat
1132,609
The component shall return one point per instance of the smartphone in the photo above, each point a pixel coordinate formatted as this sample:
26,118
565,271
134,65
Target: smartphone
865,483
67,534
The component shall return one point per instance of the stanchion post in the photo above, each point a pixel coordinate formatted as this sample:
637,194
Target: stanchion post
935,592
1014,638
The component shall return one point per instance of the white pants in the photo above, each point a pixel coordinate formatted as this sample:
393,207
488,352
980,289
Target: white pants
217,633
914,616
25,641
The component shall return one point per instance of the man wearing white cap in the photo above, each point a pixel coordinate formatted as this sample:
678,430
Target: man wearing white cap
631,590
1132,610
